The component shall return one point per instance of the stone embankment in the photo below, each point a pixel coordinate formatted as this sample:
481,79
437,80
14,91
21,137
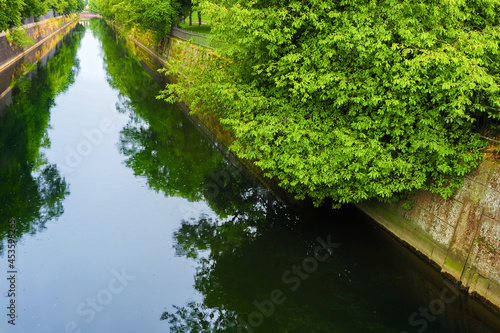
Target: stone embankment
460,236
39,32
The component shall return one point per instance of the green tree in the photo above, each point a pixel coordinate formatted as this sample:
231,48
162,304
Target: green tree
34,8
197,7
57,6
80,5
186,10
10,13
351,100
94,6
71,6
157,15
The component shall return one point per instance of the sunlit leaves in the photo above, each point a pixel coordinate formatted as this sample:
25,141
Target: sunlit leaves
157,15
352,100
10,13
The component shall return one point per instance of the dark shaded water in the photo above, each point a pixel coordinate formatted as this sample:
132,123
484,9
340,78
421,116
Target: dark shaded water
130,220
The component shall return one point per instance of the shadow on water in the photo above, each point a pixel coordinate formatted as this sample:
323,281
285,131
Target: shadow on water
31,190
263,266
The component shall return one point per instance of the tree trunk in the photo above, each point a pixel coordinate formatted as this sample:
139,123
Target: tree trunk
190,17
199,17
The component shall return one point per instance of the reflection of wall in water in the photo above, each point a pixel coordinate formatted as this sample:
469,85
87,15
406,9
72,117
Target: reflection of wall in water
36,31
444,302
41,53
459,235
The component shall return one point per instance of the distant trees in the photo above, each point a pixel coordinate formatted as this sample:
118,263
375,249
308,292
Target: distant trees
187,9
12,11
157,15
94,6
80,5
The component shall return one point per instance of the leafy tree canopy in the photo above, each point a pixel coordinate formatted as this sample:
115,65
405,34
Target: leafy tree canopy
157,15
12,11
94,6
351,100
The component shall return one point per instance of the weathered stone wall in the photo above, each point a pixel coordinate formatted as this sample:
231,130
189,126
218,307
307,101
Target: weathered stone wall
460,235
37,31
18,65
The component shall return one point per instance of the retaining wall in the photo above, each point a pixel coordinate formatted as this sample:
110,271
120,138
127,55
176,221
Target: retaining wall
37,31
460,236
50,33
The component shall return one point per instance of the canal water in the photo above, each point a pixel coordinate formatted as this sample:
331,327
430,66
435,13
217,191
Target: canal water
123,216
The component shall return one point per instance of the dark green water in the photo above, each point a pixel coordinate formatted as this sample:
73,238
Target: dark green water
130,220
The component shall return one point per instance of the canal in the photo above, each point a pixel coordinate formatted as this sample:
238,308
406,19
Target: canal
123,216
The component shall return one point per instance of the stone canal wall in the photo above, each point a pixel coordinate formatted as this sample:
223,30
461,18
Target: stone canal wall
459,236
39,32
49,35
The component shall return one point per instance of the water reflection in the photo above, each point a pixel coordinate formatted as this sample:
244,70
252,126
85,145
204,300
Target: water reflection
160,145
31,189
253,261
262,276
253,254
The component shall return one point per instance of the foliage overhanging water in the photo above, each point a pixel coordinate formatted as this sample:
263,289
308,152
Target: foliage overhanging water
130,220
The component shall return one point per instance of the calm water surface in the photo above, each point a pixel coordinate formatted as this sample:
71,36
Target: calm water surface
130,220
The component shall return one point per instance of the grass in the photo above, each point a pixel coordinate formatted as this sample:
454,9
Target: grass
195,18
204,29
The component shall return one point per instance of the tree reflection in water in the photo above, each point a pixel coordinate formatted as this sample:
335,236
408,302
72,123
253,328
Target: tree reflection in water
32,190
